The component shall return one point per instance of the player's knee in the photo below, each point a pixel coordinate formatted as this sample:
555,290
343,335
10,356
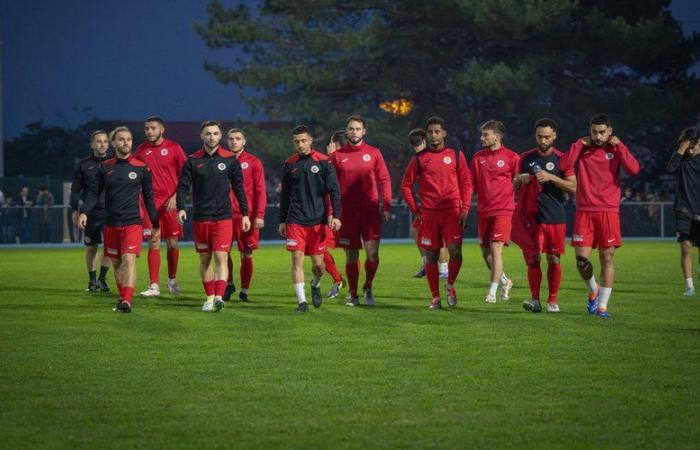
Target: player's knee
553,259
582,262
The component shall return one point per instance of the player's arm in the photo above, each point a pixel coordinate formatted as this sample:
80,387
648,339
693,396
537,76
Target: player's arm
259,195
465,187
409,179
184,185
236,179
568,160
522,179
94,190
566,184
285,193
628,161
180,160
381,174
333,190
76,188
147,194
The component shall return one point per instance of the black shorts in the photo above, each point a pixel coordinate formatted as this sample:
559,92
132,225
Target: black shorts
687,229
93,231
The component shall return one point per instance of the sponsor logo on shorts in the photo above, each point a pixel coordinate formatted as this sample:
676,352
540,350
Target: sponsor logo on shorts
221,166
164,152
314,169
501,163
578,238
223,246
447,160
132,175
611,240
244,165
292,243
457,236
200,165
426,241
498,235
87,239
549,166
201,246
112,251
609,156
321,247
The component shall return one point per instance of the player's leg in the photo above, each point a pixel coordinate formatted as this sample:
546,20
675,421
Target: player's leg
220,276
352,272
687,267
585,270
553,281
371,266
246,273
454,266
496,249
443,266
237,237
432,276
317,268
525,233
173,256
414,235
91,263
332,269
206,273
230,285
128,267
607,278
298,279
534,280
153,262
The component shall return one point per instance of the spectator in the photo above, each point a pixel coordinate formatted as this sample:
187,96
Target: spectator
24,216
44,200
7,221
627,195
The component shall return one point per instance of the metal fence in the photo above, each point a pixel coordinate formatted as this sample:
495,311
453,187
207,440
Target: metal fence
54,225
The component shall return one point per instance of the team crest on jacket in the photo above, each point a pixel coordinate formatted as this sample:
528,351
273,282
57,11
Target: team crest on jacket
609,156
501,163
132,175
314,169
447,160
221,166
164,152
549,166
244,165
366,157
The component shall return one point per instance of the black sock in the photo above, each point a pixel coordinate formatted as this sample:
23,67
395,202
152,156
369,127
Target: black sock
103,272
92,273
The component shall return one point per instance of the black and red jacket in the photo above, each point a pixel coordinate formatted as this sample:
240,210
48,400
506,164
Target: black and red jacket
211,178
307,182
84,173
123,181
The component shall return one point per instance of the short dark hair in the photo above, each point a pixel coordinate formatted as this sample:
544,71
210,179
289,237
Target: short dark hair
601,119
210,123
235,130
416,136
691,134
546,122
435,120
301,129
340,137
155,119
96,133
355,118
494,125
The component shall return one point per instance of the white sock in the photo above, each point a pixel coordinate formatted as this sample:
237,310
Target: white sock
504,280
492,289
299,289
210,298
603,297
442,267
217,297
172,280
689,283
316,282
591,284
244,290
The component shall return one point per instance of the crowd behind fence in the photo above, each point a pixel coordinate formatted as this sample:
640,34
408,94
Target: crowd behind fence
52,223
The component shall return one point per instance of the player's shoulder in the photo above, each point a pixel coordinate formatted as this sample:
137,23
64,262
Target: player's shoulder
197,154
557,152
292,159
110,161
318,156
137,162
480,153
528,153
510,153
141,147
170,143
372,149
251,158
226,153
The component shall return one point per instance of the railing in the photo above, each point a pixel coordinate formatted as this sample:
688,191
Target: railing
54,225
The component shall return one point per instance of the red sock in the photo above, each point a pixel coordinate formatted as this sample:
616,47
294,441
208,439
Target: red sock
554,281
431,273
219,288
208,287
246,272
230,268
154,265
534,277
353,273
370,270
173,255
121,291
453,270
331,268
128,294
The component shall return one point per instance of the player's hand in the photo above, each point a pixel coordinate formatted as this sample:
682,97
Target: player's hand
463,218
334,224
419,218
586,141
387,216
155,235
614,140
524,178
82,221
282,230
74,217
330,148
682,147
259,223
181,216
245,223
172,203
543,176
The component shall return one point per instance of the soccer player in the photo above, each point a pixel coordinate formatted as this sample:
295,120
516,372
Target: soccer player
539,220
210,173
337,141
685,165
85,171
597,160
493,169
165,159
444,187
254,187
124,180
308,179
418,141
362,174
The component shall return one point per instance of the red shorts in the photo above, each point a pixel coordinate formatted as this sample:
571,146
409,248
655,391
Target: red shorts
331,238
359,227
440,229
245,240
416,223
169,225
121,240
311,239
534,238
494,229
596,229
213,235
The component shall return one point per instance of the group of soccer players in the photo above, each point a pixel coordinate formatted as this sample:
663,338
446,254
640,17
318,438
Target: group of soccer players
340,199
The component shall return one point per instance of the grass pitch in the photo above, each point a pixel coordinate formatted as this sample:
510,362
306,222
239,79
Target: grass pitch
74,374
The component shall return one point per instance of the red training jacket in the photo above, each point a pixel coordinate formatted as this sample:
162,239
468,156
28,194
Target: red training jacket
254,186
492,177
165,162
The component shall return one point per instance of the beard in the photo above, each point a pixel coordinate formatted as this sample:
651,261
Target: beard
355,140
156,138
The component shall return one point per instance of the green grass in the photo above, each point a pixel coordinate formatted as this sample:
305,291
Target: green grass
73,374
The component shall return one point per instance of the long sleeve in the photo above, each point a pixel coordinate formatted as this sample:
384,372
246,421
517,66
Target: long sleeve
285,194
568,161
76,188
147,194
465,183
674,164
628,161
381,173
474,175
236,178
259,191
409,179
333,188
184,184
93,194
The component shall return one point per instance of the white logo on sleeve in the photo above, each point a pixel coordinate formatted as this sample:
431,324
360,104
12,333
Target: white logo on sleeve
366,157
314,169
609,156
501,163
132,175
549,166
447,160
221,166
244,165
164,152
